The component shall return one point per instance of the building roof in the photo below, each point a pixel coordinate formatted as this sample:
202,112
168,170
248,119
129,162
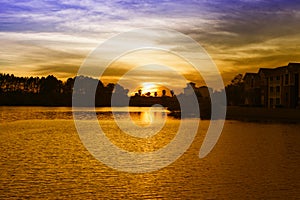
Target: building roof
265,70
294,66
272,71
250,73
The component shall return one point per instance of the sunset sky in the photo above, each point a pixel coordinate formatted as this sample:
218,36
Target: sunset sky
42,37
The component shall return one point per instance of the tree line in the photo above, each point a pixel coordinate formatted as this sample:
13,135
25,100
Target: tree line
49,91
235,91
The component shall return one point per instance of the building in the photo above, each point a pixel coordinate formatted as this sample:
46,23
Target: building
277,87
252,89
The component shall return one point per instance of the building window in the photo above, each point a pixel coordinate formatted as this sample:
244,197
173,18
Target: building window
277,78
271,89
286,79
271,78
252,83
277,101
278,89
271,101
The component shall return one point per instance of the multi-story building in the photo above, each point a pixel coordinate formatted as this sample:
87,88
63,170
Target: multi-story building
277,87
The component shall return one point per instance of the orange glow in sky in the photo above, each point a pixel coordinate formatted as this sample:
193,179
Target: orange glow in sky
152,88
149,87
41,38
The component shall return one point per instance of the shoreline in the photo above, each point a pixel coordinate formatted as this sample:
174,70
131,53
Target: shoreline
248,114
257,114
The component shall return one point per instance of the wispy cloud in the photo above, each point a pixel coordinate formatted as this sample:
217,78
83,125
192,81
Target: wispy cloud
41,37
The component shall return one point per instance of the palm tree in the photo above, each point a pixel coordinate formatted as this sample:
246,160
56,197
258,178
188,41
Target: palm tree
172,93
164,93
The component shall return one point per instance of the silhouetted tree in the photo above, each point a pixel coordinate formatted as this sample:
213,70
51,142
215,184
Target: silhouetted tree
172,93
100,89
49,91
235,91
120,96
237,80
110,88
148,94
49,85
68,87
164,93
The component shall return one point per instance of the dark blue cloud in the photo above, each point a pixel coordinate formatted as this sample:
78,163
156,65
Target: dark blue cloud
26,15
234,15
251,20
225,27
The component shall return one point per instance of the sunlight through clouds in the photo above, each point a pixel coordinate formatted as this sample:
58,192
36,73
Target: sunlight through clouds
54,37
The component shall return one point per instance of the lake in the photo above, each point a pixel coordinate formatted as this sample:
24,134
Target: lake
42,157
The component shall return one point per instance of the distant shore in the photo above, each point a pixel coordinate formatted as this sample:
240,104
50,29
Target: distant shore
249,114
257,114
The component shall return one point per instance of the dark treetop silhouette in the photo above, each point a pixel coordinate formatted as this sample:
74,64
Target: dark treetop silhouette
49,91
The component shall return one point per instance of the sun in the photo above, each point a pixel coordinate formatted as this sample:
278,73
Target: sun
145,88
149,87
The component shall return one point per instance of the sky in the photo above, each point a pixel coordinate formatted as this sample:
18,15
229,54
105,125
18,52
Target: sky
43,37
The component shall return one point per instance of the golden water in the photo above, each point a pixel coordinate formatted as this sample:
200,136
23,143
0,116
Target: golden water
41,156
